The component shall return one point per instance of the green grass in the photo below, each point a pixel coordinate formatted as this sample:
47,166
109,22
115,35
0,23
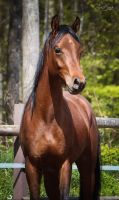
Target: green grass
6,175
6,184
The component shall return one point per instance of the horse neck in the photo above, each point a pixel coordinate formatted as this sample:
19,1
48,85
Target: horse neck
48,96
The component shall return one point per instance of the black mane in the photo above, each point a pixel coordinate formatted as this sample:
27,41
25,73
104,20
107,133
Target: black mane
50,43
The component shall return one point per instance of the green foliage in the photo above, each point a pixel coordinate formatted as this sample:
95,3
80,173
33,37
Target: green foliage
100,74
110,137
6,152
109,180
42,189
75,183
6,185
104,100
100,69
101,27
110,184
109,155
6,175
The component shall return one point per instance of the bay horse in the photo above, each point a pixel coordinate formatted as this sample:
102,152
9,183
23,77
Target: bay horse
58,127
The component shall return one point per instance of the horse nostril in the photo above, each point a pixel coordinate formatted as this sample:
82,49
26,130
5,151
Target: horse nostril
79,84
77,81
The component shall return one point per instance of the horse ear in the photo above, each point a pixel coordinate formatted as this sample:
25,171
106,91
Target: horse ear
76,25
55,24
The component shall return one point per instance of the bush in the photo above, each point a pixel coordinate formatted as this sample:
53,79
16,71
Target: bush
110,184
6,184
104,100
6,175
109,155
75,183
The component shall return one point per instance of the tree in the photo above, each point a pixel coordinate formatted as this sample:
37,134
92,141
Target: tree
46,20
14,57
30,44
61,11
4,27
49,12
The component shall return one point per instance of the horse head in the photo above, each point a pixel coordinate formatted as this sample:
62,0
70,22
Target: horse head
64,55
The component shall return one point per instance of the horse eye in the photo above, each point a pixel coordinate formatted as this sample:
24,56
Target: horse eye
58,50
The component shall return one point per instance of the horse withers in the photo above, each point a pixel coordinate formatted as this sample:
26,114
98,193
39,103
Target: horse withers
58,127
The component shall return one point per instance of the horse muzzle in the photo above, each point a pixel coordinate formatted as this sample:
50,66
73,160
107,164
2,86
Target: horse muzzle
77,86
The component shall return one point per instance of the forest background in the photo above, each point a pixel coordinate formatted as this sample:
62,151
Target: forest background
99,36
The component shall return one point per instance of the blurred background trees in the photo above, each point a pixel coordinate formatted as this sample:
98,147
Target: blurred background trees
99,36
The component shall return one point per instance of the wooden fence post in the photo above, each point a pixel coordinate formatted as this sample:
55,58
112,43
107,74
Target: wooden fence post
20,188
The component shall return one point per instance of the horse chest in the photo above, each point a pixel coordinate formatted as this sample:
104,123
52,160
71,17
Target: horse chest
48,140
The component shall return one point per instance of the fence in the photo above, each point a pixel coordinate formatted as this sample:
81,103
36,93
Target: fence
20,184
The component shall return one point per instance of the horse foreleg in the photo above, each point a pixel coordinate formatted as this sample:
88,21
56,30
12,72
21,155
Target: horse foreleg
33,176
87,179
51,182
65,178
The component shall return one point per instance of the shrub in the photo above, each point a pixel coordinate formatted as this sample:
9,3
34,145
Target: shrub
6,175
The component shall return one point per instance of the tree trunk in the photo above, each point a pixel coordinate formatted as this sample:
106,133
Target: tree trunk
30,44
1,95
51,13
46,20
75,7
81,15
61,11
4,27
14,57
